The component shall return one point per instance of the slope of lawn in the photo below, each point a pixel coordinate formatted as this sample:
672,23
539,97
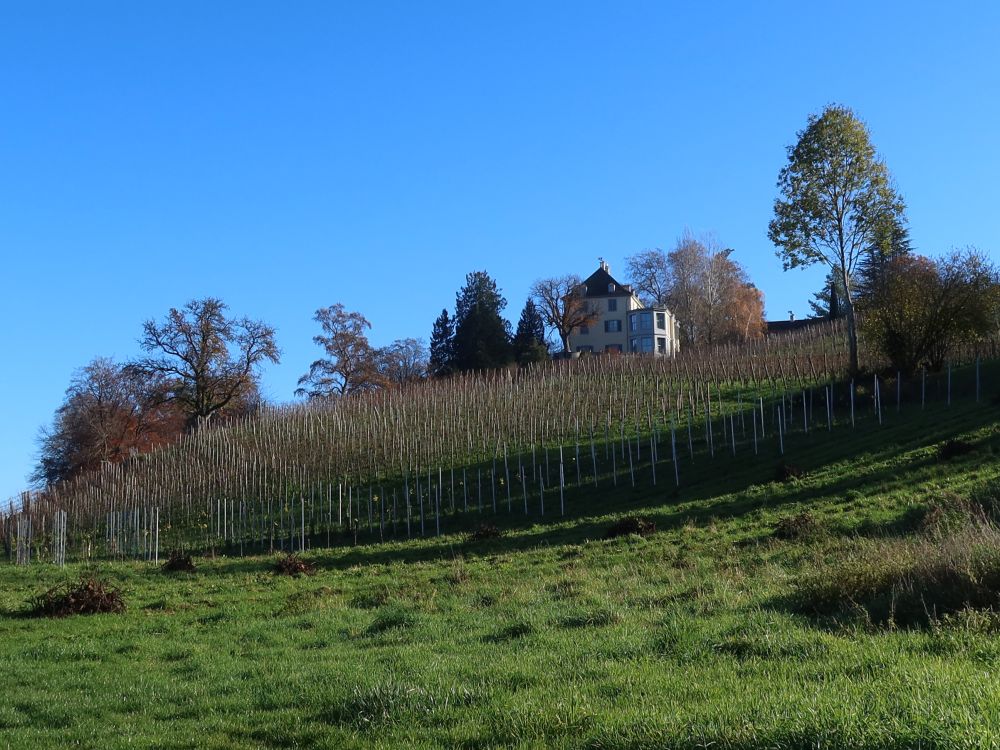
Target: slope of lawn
550,635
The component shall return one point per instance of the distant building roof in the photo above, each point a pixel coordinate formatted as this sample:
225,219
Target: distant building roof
787,326
602,284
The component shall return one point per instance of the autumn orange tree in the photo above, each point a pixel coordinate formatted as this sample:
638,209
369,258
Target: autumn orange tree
109,414
350,365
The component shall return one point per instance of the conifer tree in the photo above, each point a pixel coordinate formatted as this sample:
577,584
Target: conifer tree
482,337
529,340
442,359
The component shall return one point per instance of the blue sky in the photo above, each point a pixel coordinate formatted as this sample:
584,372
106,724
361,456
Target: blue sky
287,156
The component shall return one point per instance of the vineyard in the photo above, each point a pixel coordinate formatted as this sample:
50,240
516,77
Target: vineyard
432,457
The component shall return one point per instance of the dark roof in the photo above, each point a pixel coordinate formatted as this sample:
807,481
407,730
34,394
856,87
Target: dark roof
787,326
597,285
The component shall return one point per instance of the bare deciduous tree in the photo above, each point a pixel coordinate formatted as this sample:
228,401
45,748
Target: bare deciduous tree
708,292
205,360
687,263
649,273
562,303
351,363
403,361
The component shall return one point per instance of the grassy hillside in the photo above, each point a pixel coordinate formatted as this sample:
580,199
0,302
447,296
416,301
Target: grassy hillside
704,634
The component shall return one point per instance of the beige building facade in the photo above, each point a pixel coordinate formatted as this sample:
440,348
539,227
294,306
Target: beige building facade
622,323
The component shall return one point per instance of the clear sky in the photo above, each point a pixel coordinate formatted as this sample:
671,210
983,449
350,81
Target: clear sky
287,156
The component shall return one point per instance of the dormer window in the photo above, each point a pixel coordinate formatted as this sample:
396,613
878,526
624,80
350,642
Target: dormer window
611,288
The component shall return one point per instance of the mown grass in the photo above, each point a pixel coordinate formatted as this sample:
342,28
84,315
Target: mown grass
551,635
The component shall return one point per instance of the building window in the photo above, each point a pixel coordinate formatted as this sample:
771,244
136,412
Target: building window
612,326
661,345
613,348
641,344
640,322
612,305
661,321
611,288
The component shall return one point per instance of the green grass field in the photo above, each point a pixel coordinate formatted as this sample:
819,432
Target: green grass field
550,636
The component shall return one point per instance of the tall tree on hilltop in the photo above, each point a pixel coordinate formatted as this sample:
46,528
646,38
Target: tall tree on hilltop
562,303
730,308
836,198
482,336
442,359
205,361
350,364
687,263
529,339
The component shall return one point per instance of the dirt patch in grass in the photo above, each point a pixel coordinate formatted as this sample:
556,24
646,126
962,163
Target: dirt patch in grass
485,531
88,596
631,525
178,562
293,565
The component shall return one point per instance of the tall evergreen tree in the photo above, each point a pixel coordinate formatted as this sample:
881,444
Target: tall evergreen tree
891,242
482,337
529,340
442,359
826,302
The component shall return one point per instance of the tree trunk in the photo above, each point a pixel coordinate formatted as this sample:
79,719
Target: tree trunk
852,323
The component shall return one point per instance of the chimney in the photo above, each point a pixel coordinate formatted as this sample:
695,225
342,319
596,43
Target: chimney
604,266
791,315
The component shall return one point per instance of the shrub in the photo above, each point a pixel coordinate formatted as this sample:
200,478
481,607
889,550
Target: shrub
293,565
949,512
485,531
909,581
178,562
800,526
631,525
786,472
954,448
89,596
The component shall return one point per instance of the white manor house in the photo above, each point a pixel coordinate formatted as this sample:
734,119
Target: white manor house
623,323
